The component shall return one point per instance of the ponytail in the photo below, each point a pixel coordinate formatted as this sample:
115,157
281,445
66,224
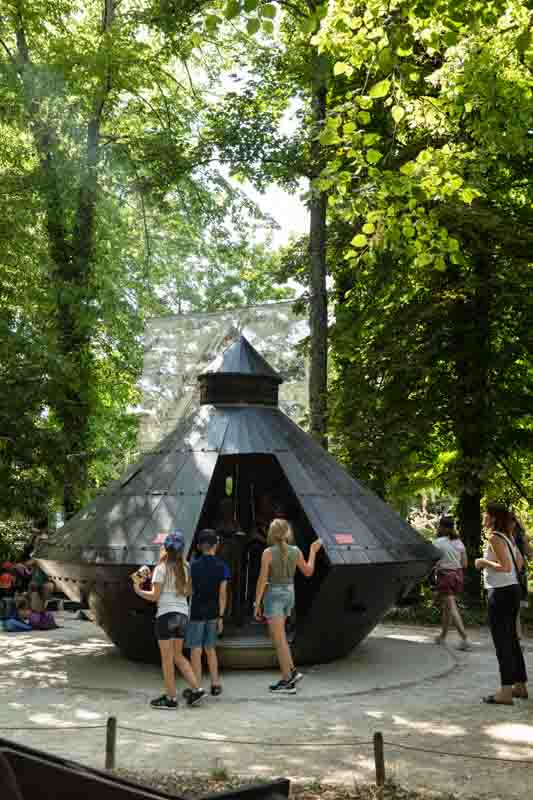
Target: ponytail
175,564
280,534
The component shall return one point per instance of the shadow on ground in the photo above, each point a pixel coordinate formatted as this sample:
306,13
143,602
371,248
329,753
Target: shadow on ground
75,677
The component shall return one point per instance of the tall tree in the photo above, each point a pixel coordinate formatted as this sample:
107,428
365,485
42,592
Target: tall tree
103,157
285,71
433,219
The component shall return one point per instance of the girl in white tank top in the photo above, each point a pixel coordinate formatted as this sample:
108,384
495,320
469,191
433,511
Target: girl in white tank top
492,578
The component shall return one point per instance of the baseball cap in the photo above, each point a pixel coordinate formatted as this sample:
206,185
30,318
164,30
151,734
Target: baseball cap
207,537
175,541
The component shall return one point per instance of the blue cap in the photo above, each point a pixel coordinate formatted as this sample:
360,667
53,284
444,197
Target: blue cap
175,541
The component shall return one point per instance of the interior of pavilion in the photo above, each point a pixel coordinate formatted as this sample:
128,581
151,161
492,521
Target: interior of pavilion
246,493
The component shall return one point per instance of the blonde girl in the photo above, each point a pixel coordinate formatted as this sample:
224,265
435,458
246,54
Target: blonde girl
170,588
274,598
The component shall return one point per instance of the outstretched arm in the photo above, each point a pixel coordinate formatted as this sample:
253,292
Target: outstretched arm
308,567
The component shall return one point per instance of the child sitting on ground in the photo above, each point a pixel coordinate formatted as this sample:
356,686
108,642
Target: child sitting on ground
18,620
209,576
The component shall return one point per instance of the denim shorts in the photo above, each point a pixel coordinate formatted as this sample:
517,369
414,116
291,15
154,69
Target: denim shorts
278,601
202,633
170,626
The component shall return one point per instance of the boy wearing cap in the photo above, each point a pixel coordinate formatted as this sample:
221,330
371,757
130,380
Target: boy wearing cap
209,576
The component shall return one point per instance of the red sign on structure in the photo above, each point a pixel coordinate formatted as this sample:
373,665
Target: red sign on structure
344,538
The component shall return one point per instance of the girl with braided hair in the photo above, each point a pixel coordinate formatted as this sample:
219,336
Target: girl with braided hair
274,598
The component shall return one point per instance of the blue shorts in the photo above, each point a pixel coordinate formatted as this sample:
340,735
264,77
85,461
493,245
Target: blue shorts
278,601
202,633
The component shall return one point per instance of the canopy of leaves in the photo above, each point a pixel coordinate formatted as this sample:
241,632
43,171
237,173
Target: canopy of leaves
114,208
430,157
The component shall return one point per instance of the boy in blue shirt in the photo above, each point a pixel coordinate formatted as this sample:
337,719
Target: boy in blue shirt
209,577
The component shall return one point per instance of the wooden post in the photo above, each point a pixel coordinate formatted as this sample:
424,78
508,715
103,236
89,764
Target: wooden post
111,743
379,758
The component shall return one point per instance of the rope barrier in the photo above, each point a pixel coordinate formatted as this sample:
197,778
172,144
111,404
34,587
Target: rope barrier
253,742
398,746
256,743
55,728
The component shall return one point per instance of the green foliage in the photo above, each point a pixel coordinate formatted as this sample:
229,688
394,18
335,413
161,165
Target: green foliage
13,536
430,210
125,139
113,209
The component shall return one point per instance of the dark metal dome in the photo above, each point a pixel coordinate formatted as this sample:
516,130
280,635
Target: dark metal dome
371,556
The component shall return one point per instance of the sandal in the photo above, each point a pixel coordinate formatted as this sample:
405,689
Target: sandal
491,700
521,693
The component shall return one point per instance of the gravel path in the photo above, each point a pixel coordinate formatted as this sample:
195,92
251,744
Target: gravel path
41,684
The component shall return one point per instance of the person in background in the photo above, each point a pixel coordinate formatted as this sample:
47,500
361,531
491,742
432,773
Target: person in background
18,620
231,550
274,597
7,580
170,588
501,564
41,588
22,577
450,580
209,576
522,542
7,589
42,621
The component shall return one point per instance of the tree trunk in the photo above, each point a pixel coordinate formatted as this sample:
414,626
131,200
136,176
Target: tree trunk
472,411
469,523
318,311
71,250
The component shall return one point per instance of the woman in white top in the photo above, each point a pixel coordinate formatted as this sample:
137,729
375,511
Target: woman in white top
171,586
450,579
500,564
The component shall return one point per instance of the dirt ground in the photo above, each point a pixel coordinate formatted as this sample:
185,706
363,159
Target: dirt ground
431,724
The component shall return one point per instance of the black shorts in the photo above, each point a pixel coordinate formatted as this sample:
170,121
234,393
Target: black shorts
170,626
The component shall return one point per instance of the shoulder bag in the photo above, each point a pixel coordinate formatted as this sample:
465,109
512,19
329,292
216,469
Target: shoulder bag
522,576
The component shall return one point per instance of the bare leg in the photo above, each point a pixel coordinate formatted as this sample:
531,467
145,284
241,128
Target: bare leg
196,662
445,618
212,662
167,664
183,665
456,617
279,638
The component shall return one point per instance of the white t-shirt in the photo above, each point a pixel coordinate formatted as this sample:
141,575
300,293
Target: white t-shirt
169,601
457,543
497,580
451,552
